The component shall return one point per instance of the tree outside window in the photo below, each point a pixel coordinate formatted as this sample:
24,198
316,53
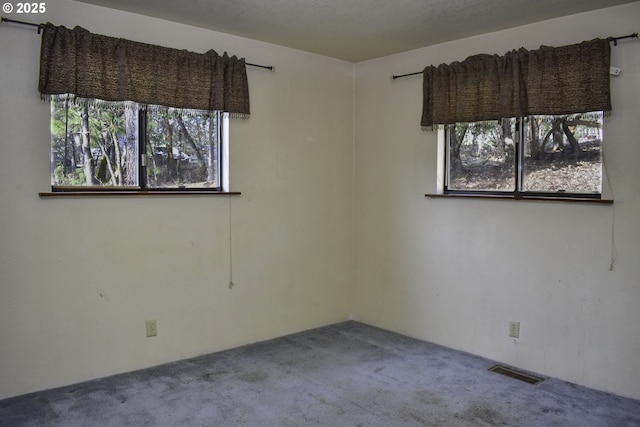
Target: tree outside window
127,145
546,155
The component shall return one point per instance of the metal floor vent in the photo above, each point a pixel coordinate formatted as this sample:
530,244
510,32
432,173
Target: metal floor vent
509,372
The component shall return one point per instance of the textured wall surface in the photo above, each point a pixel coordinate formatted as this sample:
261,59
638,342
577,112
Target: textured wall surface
457,271
79,277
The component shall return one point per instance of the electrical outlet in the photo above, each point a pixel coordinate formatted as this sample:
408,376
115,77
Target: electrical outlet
514,329
152,328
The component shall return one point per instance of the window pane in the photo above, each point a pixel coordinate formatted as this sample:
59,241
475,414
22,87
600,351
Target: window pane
182,150
94,143
563,153
482,156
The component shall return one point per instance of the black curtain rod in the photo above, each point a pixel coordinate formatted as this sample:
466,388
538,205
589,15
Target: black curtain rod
268,67
41,26
611,39
615,39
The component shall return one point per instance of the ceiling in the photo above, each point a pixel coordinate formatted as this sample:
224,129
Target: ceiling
356,30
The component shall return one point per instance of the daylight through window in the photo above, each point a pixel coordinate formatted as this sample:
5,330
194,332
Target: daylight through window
557,155
124,145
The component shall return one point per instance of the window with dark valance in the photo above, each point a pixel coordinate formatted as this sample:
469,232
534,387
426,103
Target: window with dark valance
560,80
92,66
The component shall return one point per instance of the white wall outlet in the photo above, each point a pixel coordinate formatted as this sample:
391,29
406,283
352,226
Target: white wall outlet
514,329
152,328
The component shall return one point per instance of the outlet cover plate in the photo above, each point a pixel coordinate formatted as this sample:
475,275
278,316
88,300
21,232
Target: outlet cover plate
152,328
514,329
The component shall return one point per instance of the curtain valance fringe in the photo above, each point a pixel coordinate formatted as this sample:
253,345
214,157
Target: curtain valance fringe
120,106
546,118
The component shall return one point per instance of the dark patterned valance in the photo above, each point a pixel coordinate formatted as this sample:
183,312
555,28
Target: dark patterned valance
561,80
90,65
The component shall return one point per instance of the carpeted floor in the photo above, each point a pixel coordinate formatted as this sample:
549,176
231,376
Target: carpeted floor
348,374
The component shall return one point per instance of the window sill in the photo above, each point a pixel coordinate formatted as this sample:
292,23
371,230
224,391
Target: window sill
127,193
520,198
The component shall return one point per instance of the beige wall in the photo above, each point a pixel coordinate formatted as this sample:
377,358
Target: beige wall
79,277
457,271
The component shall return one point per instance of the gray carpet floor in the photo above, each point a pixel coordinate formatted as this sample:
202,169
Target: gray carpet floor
348,374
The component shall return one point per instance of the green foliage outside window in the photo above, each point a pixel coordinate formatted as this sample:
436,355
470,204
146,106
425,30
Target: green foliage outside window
109,144
559,155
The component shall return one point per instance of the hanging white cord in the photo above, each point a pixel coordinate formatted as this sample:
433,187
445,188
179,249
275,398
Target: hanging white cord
230,248
614,250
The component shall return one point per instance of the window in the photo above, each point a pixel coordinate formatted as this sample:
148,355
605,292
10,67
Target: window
557,155
124,146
